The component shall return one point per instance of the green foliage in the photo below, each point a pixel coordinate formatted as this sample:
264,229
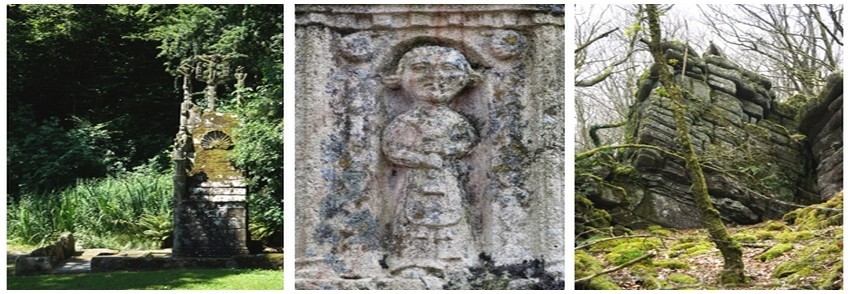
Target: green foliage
259,154
250,35
633,29
105,212
44,155
157,227
83,100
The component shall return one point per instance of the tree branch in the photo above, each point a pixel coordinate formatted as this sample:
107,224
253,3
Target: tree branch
594,39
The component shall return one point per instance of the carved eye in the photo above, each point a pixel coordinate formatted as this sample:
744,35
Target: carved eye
216,140
419,67
450,67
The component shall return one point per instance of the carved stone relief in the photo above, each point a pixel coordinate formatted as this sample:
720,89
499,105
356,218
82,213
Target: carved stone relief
429,145
430,231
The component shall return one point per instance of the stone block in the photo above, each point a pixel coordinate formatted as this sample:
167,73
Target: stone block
753,110
28,265
722,85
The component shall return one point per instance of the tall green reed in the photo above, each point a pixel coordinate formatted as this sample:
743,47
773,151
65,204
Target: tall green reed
99,211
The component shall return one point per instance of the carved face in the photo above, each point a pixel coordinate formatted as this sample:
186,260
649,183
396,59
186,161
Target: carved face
433,74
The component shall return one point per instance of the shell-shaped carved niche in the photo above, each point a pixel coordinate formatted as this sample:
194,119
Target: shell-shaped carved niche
216,140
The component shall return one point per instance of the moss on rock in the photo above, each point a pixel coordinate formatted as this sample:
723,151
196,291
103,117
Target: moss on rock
787,237
688,249
585,266
671,264
658,231
647,276
775,251
631,249
682,279
745,238
818,216
764,235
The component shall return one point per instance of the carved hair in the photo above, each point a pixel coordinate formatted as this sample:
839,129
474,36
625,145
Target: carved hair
394,81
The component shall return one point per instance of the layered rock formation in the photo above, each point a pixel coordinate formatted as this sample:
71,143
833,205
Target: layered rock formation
822,123
757,156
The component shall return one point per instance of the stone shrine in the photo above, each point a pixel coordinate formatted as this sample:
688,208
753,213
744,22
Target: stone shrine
210,208
429,147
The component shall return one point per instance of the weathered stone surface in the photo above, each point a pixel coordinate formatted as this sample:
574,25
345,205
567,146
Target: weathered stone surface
44,259
757,160
822,123
437,135
26,265
210,196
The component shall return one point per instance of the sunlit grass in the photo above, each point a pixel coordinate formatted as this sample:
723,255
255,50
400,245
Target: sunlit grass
182,279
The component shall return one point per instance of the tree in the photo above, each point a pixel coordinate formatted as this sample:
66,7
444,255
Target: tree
70,67
795,45
604,73
733,266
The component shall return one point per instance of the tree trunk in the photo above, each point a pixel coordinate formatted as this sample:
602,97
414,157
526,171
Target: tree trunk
733,266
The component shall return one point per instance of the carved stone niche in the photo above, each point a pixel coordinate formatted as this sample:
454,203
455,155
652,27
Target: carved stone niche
429,146
210,208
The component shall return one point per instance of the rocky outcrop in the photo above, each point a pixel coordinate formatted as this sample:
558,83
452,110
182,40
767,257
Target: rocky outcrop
822,124
44,259
757,164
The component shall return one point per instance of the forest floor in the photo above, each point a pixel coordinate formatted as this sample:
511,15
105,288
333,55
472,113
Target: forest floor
801,251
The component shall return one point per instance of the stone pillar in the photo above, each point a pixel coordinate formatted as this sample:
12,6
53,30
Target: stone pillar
430,142
210,208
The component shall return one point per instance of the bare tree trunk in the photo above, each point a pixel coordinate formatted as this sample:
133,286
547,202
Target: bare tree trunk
733,266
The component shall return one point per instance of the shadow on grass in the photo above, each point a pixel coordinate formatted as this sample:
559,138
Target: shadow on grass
197,279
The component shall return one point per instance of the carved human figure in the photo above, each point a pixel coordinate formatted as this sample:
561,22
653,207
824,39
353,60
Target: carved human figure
430,232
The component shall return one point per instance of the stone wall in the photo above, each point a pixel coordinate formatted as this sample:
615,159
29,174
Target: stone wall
44,259
822,123
756,161
210,208
467,169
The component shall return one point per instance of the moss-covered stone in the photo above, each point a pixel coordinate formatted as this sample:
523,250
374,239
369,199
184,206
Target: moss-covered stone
775,226
775,251
787,237
818,216
631,249
658,231
682,279
689,249
671,264
647,276
745,238
585,266
815,260
765,235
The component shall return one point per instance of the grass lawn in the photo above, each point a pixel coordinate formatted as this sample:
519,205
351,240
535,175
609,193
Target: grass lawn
188,279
